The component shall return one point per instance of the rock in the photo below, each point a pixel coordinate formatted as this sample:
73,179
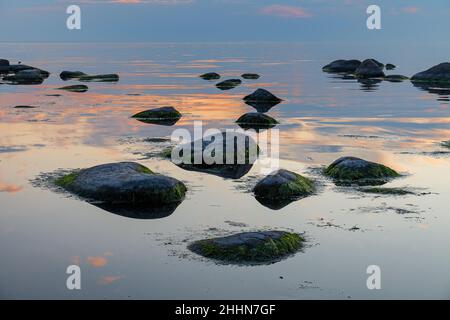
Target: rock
75,88
228,84
256,120
250,76
436,74
249,247
395,78
390,66
100,78
378,63
67,75
16,68
4,63
25,107
369,69
281,188
210,76
164,116
123,183
262,100
351,170
342,66
28,76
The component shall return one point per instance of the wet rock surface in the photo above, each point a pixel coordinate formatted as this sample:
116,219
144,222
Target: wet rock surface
210,76
342,66
228,84
437,74
75,88
369,69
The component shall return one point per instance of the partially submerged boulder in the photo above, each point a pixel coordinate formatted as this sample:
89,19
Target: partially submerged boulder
210,76
75,88
281,188
99,78
164,116
369,68
250,76
256,120
67,75
123,183
28,76
229,84
262,100
437,74
352,170
345,66
249,247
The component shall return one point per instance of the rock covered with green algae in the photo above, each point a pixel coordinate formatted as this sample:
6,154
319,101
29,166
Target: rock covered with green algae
123,183
352,170
249,247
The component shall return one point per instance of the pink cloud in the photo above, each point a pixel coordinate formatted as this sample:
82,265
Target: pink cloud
285,11
411,10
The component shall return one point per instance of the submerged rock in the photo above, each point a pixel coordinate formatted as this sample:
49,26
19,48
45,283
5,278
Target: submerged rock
99,78
250,76
210,76
229,84
351,170
390,66
347,66
249,247
281,188
67,75
123,183
438,73
256,120
387,191
163,116
75,88
395,78
369,68
262,100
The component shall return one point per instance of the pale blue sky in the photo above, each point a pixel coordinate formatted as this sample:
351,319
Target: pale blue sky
224,20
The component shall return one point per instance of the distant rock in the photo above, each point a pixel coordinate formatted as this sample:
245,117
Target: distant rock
395,78
281,188
257,247
99,78
436,74
342,66
75,88
390,66
351,170
28,76
228,84
250,76
67,75
256,120
210,76
164,116
123,183
16,68
4,63
25,107
369,69
262,100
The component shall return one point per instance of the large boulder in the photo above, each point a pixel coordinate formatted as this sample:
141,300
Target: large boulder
351,170
123,183
436,74
99,78
262,100
346,66
210,76
229,84
257,247
164,116
256,120
28,76
369,68
67,75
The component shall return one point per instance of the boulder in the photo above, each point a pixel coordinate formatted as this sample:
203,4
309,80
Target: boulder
229,84
28,76
262,100
351,170
67,75
347,66
250,76
99,78
257,247
75,88
369,69
123,183
436,74
390,66
16,68
210,76
164,116
4,63
256,120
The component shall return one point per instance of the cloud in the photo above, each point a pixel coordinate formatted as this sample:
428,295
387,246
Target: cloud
97,262
411,10
285,11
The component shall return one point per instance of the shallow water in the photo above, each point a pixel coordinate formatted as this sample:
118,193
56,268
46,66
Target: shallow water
322,118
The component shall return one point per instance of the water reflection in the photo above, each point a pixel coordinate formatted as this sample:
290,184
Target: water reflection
442,90
143,212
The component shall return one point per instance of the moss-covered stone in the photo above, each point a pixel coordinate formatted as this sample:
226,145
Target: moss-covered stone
387,191
351,170
249,247
66,180
163,113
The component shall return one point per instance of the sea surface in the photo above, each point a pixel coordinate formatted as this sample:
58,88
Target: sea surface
322,117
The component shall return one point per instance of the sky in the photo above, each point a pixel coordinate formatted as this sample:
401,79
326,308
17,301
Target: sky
224,20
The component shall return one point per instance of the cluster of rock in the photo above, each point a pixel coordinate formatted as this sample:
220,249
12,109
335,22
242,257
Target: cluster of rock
21,73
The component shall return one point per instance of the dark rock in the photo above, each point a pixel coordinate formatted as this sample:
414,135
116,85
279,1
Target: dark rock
262,100
369,69
250,76
28,76
379,64
163,116
351,170
395,78
281,188
75,88
249,247
390,66
24,107
210,76
99,78
228,84
16,68
342,66
256,120
67,75
123,183
4,63
437,74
